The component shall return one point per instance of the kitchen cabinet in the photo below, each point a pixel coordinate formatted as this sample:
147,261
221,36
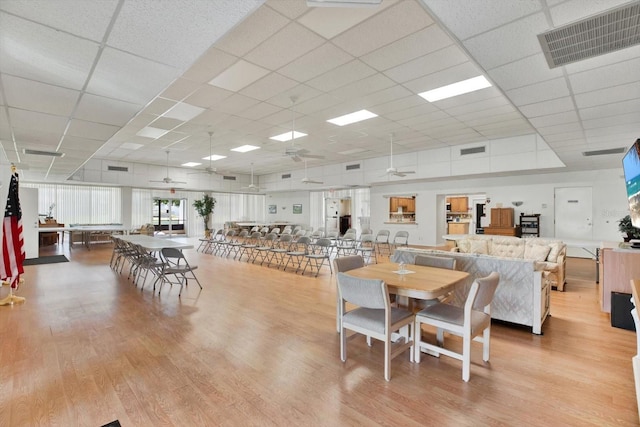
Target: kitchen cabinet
402,209
458,228
459,204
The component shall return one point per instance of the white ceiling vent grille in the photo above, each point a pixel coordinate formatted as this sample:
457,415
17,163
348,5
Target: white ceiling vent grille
228,177
604,152
353,167
472,150
286,176
118,168
609,31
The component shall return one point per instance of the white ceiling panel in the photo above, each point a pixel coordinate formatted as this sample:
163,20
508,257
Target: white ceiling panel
538,92
411,47
624,107
340,76
290,9
619,119
526,71
603,77
258,111
209,65
290,43
180,89
129,78
554,119
256,28
609,95
316,62
41,97
235,103
363,87
43,54
428,64
268,86
84,129
559,105
238,76
206,96
457,73
574,10
105,110
495,47
385,27
47,123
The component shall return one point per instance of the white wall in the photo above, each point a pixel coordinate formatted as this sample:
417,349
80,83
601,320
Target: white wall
285,202
536,191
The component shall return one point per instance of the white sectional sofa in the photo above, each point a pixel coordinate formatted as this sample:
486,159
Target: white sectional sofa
522,296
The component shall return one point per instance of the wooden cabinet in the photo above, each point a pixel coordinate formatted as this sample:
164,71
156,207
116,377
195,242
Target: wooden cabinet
459,204
502,223
407,205
618,267
458,228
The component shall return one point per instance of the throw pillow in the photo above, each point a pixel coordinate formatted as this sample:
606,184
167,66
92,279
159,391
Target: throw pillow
478,247
463,245
556,247
537,252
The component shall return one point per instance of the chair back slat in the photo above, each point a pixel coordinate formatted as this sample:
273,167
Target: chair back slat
367,293
347,263
435,261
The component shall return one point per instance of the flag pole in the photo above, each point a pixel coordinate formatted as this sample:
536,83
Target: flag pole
15,256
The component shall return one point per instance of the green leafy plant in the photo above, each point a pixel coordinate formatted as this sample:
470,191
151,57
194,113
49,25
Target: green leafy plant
625,226
204,208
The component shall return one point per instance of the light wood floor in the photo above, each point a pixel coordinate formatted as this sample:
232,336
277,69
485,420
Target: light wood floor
258,346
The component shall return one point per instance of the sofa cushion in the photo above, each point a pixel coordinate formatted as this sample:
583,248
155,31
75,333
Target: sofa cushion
556,248
537,252
478,247
507,247
463,245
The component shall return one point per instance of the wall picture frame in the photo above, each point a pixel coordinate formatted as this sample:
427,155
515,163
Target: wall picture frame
273,209
297,209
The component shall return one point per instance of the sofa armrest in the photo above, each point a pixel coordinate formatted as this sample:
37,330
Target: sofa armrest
456,249
562,264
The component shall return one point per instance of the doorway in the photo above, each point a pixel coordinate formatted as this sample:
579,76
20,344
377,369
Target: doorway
574,217
169,216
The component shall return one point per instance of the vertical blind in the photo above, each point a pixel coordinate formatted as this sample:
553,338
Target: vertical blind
80,204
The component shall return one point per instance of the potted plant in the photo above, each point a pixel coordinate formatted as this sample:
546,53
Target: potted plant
204,208
625,226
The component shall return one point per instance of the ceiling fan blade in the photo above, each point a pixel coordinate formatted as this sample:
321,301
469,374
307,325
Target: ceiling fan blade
296,158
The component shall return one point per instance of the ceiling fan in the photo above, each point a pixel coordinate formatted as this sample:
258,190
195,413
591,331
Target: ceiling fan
209,169
306,179
167,179
296,153
252,186
392,170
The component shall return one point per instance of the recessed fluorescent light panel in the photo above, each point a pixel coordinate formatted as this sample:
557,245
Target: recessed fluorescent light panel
455,89
183,111
191,164
287,136
347,119
214,157
151,132
245,148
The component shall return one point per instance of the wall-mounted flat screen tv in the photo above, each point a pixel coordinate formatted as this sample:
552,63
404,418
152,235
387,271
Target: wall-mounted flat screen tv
631,167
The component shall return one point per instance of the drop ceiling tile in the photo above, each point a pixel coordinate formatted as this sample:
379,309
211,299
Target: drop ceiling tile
545,131
158,106
603,77
624,107
290,43
177,33
563,136
256,28
489,112
302,93
413,46
43,54
457,73
341,76
331,21
471,106
129,78
609,95
419,110
428,64
268,86
390,25
41,97
574,10
207,96
180,89
475,17
555,119
508,43
398,105
363,87
91,130
429,120
105,110
258,111
235,103
544,108
290,9
621,119
238,76
85,146
503,125
318,61
166,123
393,93
537,92
46,122
604,60
209,65
513,115
526,71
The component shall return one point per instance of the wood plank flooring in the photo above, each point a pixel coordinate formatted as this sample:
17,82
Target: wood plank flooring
258,346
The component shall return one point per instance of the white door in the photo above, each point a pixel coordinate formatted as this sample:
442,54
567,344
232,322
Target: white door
574,217
29,206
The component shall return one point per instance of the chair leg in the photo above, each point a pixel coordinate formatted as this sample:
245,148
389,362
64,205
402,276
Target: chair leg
440,337
417,338
466,357
343,344
486,334
369,340
387,357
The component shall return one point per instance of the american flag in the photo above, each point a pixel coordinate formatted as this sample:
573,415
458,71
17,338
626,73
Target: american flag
12,238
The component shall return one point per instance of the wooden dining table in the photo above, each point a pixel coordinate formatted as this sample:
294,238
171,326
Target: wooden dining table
420,282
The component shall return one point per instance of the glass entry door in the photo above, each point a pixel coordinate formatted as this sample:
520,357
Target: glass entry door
169,215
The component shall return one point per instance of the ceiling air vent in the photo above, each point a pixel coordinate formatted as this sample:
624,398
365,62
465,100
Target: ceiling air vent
286,176
228,177
606,32
353,167
43,153
604,152
472,150
118,168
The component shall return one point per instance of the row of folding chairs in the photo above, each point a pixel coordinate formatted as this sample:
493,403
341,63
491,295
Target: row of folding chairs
168,266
